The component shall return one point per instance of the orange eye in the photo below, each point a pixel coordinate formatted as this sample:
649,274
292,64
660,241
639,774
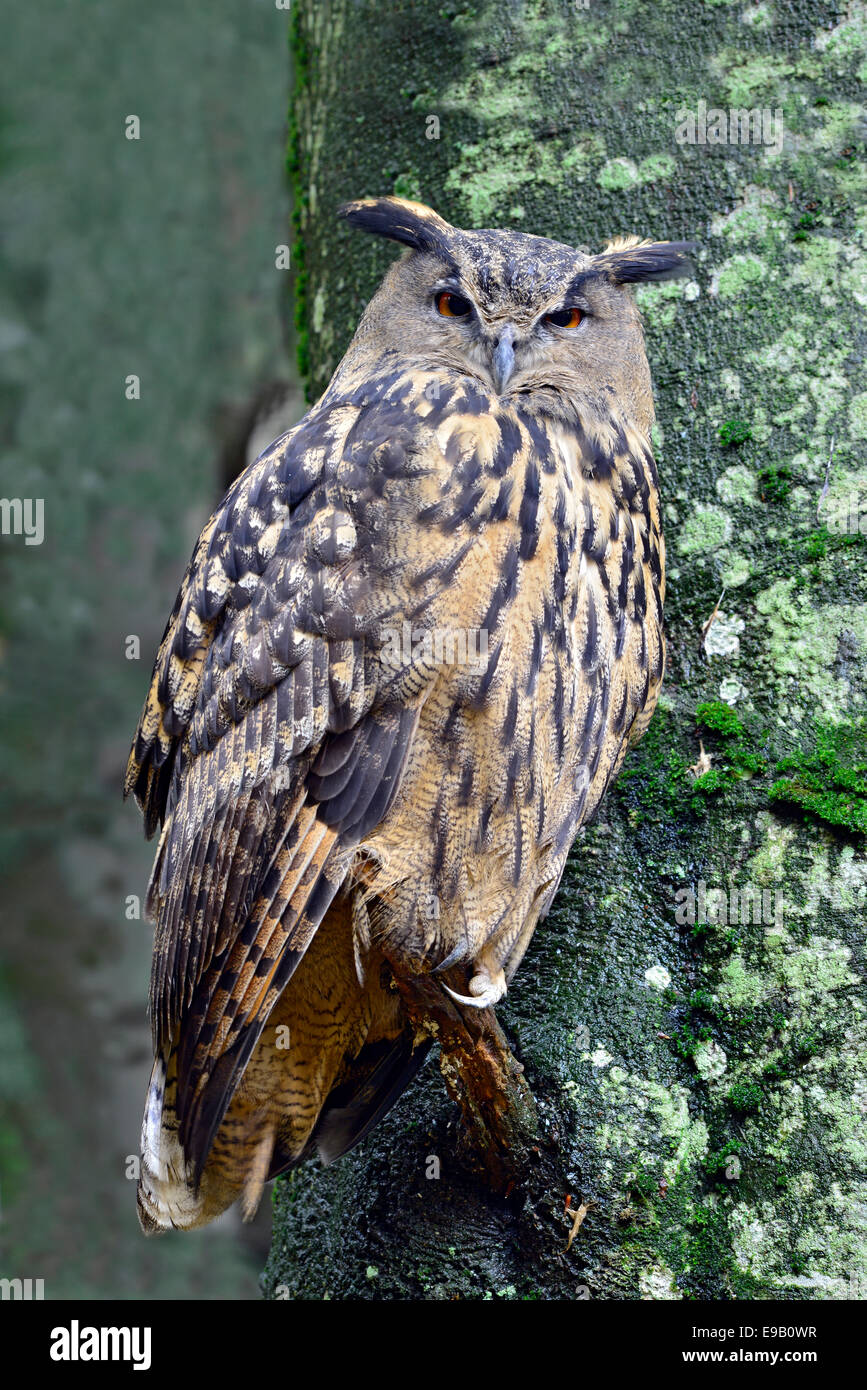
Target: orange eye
453,306
565,318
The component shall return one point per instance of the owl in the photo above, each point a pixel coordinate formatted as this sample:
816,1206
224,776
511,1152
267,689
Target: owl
407,658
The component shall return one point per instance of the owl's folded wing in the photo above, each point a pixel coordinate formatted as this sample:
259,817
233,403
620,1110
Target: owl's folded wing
273,737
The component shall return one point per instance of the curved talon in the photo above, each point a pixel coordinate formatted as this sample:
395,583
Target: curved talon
453,958
485,990
466,999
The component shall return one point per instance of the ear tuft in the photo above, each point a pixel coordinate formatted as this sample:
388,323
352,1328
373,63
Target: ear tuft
629,261
412,224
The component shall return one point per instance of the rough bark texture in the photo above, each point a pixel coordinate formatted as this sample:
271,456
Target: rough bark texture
701,1086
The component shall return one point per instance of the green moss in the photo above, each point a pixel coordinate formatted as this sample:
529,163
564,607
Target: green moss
701,999
654,780
408,185
710,782
745,1097
716,715
776,482
816,544
706,1255
734,433
830,783
737,756
835,808
804,225
719,1164
689,1037
642,1186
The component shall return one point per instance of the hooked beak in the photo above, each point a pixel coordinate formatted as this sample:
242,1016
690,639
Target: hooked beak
503,360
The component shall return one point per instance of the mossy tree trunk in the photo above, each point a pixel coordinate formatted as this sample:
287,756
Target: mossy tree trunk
701,1084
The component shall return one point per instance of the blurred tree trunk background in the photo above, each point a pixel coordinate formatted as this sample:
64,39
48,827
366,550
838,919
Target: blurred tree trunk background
154,257
698,1061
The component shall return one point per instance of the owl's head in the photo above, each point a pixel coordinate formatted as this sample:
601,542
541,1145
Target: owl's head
522,313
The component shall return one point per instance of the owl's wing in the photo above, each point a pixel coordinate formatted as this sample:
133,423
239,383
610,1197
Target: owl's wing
273,736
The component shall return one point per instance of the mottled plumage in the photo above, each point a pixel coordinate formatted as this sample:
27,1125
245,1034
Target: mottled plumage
405,663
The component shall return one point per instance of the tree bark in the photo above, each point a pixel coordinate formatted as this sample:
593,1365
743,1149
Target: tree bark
700,1084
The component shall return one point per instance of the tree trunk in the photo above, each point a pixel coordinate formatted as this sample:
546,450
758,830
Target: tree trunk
695,1049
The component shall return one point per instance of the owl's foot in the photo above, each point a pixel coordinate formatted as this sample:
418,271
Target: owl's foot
485,990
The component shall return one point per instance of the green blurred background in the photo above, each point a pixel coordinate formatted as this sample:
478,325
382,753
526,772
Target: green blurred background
156,258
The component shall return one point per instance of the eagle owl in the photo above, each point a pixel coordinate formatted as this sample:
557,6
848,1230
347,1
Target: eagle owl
406,660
